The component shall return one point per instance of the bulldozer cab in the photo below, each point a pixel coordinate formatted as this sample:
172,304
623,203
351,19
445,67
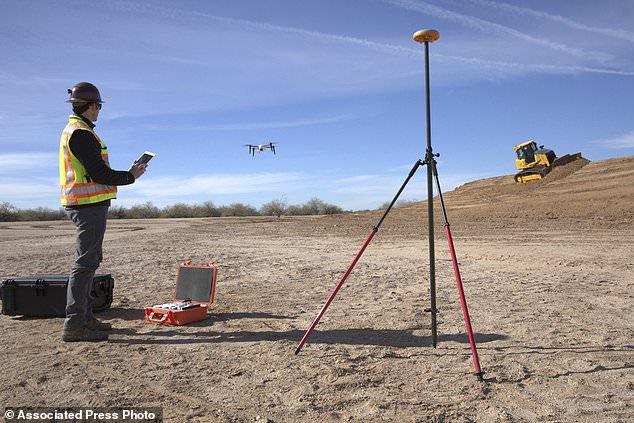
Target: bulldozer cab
525,154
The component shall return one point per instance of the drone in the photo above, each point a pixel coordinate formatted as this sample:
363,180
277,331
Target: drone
260,148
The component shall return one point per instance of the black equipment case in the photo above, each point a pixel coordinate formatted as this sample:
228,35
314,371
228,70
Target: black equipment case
45,295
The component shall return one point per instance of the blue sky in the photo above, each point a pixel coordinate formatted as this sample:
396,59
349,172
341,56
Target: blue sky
338,84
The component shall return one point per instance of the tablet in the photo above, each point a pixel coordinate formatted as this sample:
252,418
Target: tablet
145,157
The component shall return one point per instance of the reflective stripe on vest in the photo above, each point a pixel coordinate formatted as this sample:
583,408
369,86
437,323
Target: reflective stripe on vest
77,188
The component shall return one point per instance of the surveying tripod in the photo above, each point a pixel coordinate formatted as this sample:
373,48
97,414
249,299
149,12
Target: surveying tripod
425,37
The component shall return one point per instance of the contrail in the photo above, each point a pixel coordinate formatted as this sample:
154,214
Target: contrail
616,33
623,141
487,26
171,12
385,47
533,67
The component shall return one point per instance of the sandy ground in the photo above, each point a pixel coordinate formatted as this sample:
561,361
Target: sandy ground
548,273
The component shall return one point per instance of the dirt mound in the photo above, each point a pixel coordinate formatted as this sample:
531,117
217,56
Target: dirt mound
561,172
580,193
501,186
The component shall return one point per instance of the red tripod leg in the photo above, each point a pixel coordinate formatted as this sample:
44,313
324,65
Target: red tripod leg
357,257
463,304
334,291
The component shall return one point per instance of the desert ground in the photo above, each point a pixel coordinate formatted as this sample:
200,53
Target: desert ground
548,271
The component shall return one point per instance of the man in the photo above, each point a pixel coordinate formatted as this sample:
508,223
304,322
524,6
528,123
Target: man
88,184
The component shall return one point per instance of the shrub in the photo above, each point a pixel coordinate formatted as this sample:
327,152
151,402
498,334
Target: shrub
143,211
117,212
331,209
274,208
399,203
278,207
8,212
207,209
178,210
294,210
41,213
313,206
238,209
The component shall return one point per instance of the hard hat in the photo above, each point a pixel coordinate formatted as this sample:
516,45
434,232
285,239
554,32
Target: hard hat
84,92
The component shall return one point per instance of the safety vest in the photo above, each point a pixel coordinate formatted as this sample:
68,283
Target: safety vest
77,187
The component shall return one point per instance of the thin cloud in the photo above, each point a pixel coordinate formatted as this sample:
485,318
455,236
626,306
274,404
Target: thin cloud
410,52
619,142
487,26
248,126
528,68
355,179
18,192
616,33
386,185
11,162
214,184
171,12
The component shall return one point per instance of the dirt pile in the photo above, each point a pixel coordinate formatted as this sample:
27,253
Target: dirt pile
579,193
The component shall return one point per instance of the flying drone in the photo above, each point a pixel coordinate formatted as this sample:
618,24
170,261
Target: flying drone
260,148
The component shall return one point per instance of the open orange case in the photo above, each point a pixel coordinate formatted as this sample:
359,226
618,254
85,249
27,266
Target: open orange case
195,285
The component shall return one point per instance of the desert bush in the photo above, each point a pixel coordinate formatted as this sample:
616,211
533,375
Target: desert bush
278,207
178,210
331,209
294,210
316,206
8,212
274,208
143,211
207,209
399,203
40,214
238,209
117,212
313,206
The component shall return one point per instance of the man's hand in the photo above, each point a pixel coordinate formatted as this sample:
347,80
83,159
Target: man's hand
138,169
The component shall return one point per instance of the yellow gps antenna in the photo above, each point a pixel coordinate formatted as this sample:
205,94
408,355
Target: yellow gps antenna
426,36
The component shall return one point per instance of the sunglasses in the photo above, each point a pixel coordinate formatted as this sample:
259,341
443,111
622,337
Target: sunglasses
98,106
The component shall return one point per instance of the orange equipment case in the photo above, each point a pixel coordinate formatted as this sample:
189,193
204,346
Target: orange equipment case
195,284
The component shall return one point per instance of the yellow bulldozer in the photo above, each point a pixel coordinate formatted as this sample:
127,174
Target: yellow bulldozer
535,162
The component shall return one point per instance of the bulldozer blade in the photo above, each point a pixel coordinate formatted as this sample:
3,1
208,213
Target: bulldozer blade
564,160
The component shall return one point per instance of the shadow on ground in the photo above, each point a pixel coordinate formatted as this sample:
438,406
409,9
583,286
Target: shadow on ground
130,314
377,337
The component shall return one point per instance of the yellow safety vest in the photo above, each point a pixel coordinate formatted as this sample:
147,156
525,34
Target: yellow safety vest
77,187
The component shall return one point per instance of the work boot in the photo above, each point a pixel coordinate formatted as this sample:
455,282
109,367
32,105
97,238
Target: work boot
83,335
95,324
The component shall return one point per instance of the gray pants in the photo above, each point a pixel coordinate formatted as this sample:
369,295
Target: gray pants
91,227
